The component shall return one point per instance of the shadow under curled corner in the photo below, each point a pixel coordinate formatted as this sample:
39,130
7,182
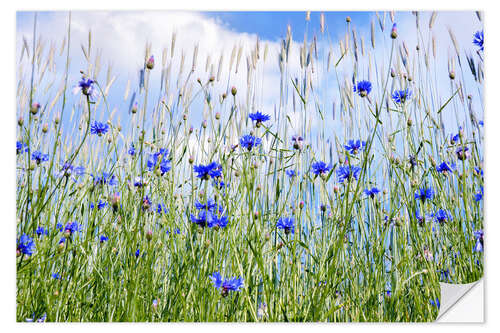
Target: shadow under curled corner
453,294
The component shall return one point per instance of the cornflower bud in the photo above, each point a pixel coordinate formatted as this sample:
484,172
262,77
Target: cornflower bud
394,32
150,64
34,108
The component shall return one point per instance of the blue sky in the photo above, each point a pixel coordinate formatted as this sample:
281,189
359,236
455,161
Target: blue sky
273,25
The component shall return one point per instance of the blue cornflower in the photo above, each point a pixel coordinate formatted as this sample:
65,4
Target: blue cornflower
479,195
454,138
478,235
59,227
435,303
220,184
481,123
259,118
204,172
204,218
249,141
216,172
138,182
152,161
479,39
220,222
137,253
216,279
164,163
62,240
422,218
479,171
226,285
177,231
21,147
99,128
401,96
39,157
363,88
103,239
371,192
347,173
209,205
104,178
354,146
443,216
462,153
424,193
291,173
86,86
287,224
165,166
131,150
67,170
26,245
444,275
56,276
445,167
320,168
72,227
161,208
40,231
101,204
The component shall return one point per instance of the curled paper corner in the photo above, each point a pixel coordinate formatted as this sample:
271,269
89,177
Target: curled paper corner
451,298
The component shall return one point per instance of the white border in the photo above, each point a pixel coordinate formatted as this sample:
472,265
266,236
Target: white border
492,121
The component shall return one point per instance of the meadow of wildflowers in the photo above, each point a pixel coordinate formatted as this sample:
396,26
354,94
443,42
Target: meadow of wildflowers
185,198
